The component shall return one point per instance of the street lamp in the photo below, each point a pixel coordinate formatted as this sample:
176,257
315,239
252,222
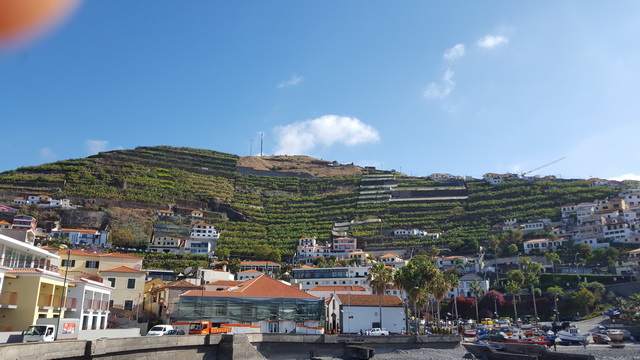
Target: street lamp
64,286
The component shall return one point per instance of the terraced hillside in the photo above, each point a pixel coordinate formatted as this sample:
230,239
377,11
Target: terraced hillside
251,209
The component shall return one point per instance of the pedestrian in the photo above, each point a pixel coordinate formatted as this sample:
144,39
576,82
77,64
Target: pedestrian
584,343
554,346
360,332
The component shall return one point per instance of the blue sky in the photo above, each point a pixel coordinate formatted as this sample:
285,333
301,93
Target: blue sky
463,87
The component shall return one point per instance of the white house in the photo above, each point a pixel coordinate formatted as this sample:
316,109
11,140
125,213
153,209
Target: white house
542,245
352,313
393,260
248,275
465,286
94,298
311,277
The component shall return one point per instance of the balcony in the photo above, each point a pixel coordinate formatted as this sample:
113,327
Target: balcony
48,302
95,305
8,300
22,263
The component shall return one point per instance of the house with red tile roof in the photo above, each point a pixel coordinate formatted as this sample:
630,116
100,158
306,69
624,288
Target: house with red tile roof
128,287
82,236
259,305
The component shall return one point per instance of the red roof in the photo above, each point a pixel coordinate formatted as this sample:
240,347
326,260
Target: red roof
123,269
369,300
179,284
224,283
259,287
251,271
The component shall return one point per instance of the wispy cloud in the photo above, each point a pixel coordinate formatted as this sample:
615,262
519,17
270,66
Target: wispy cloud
491,41
293,81
47,154
439,91
95,146
455,52
304,136
630,176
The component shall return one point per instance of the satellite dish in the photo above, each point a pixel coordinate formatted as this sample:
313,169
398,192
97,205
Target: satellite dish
187,271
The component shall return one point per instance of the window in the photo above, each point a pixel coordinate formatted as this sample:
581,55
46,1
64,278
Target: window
92,264
110,304
128,305
112,282
131,283
69,263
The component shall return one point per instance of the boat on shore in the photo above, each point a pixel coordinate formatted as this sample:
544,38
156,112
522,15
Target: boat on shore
572,335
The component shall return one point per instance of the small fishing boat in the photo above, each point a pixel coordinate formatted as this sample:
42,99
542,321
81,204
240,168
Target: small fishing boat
613,334
572,335
600,338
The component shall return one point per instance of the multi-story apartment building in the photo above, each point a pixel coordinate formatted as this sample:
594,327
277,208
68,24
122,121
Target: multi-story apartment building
312,277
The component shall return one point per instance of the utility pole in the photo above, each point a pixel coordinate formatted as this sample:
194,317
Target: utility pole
251,148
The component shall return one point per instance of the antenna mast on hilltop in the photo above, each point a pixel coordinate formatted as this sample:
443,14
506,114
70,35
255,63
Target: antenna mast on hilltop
251,148
261,140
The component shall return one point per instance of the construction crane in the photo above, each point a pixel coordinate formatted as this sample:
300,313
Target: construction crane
543,166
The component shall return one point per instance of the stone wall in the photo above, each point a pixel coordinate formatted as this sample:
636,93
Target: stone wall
218,346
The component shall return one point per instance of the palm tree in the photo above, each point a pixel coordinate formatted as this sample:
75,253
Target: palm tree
379,278
454,282
553,259
440,287
476,289
514,289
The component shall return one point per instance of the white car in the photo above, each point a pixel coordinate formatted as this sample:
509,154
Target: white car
378,332
159,330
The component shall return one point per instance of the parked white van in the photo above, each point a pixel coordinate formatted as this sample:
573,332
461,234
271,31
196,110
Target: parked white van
159,330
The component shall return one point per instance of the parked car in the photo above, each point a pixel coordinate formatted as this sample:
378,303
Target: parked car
378,332
159,330
175,332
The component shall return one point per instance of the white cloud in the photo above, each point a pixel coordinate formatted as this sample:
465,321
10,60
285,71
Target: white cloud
304,136
47,154
435,91
293,81
491,41
627,177
95,146
455,52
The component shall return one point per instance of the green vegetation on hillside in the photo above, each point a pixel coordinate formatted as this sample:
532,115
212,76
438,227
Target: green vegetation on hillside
279,210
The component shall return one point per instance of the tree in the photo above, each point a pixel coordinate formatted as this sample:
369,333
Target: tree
555,292
476,289
512,250
513,237
605,255
439,288
416,279
454,282
223,253
514,289
493,244
584,298
583,251
597,289
379,278
233,265
553,259
123,238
